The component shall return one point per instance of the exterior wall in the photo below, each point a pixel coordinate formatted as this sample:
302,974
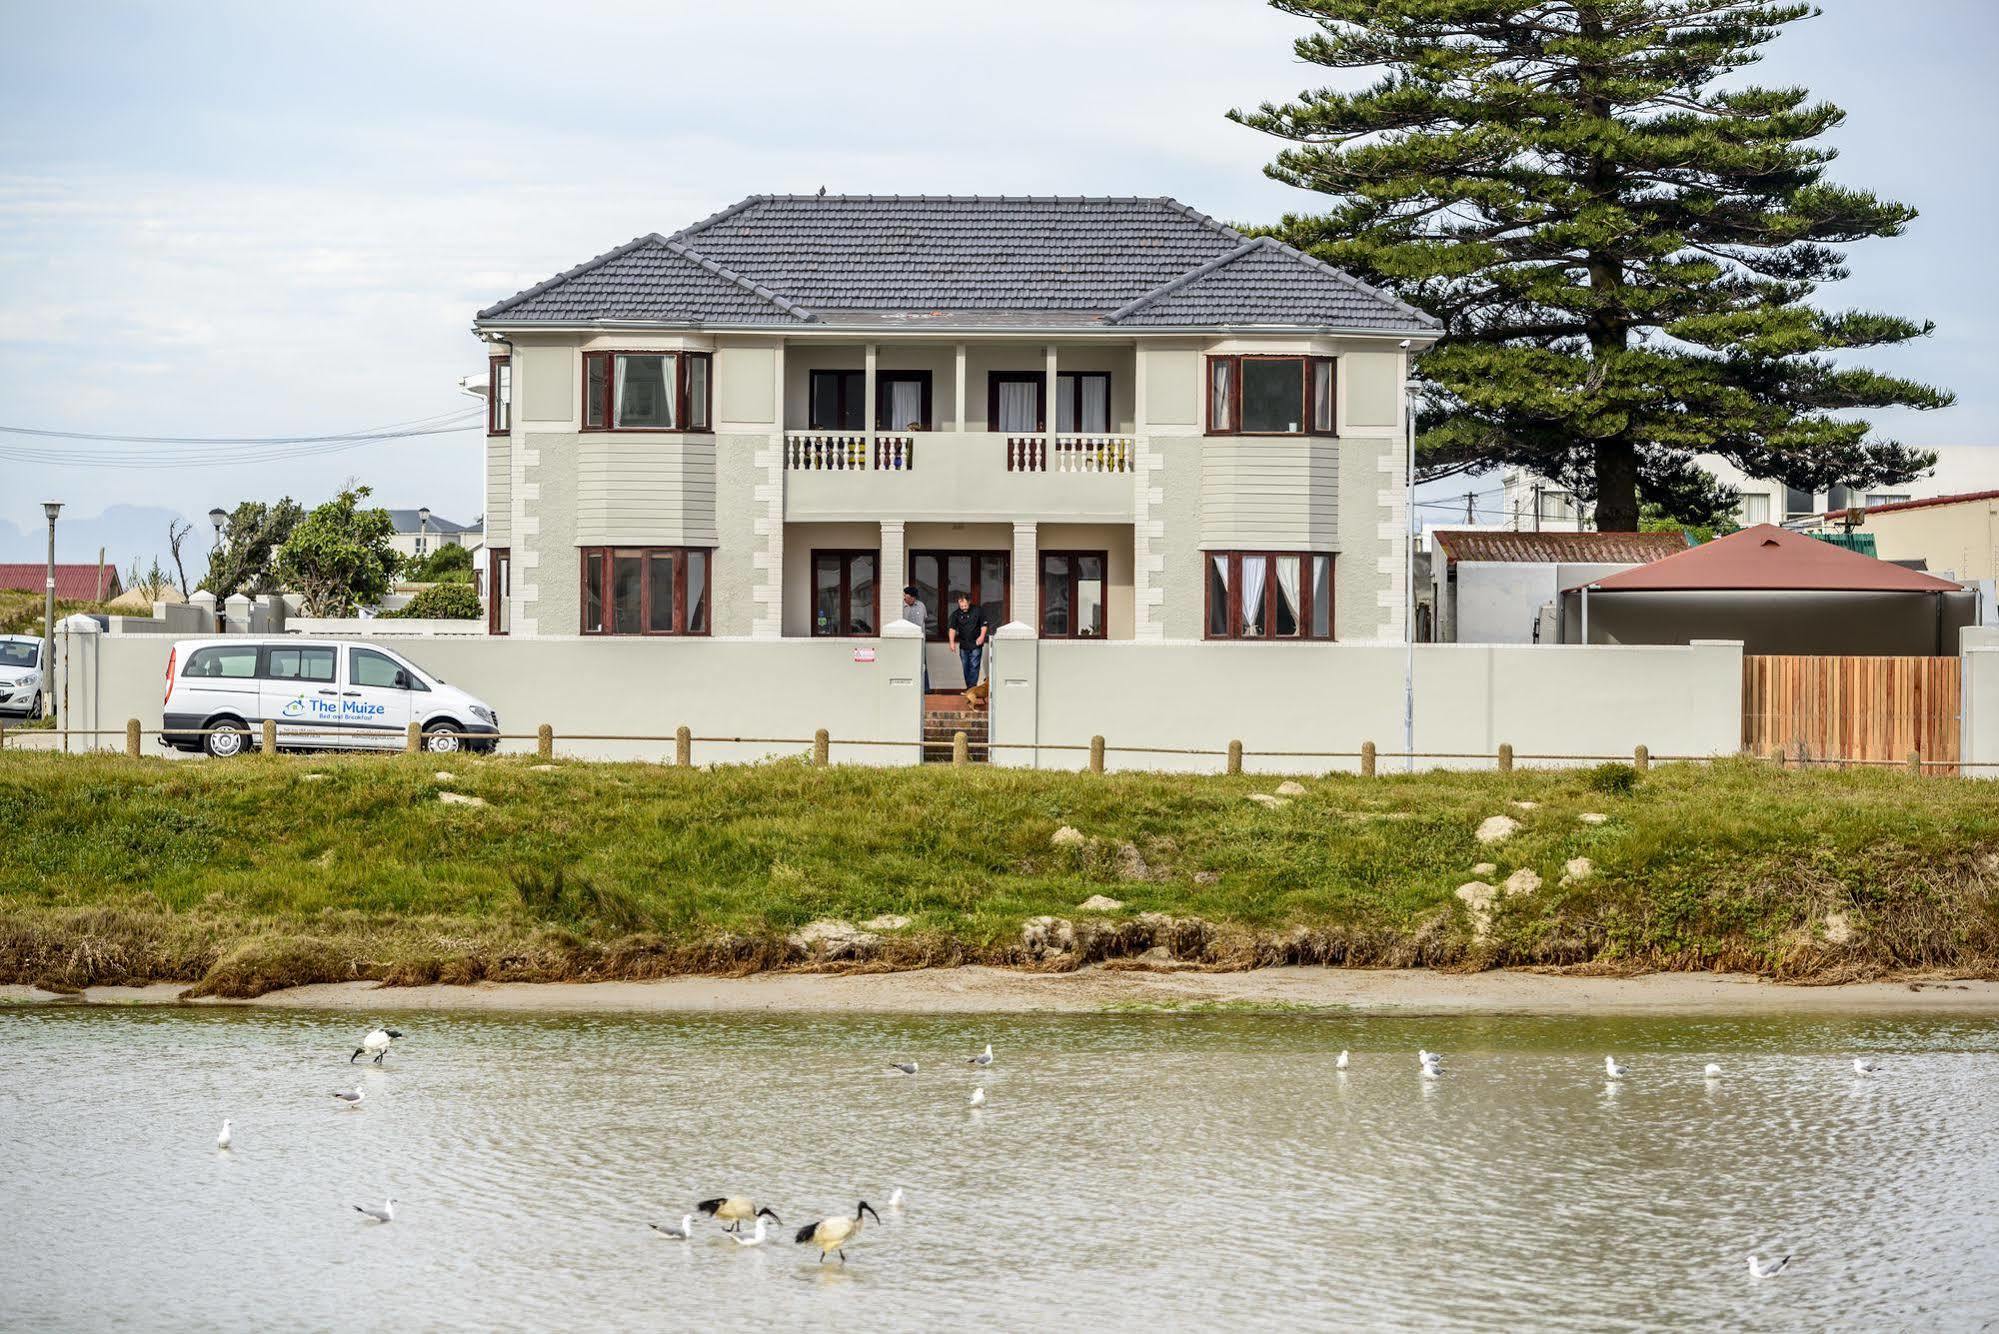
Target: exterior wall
1978,717
651,490
1282,494
499,490
1958,541
1469,699
1499,602
1898,624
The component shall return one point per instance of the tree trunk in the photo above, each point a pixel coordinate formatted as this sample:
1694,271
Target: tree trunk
1616,486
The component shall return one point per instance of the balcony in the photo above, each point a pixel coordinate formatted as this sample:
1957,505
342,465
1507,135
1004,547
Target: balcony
959,476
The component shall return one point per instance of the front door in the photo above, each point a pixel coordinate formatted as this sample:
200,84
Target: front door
301,690
375,699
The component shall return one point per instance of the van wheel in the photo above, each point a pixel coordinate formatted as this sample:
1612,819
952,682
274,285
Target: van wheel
226,739
441,738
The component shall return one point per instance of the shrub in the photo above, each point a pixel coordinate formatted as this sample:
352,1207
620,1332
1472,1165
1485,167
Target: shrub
443,602
451,564
1613,779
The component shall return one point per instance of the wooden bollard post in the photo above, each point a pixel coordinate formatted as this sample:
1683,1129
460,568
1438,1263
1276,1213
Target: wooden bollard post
961,749
1506,757
1916,763
131,738
544,742
1367,759
1777,754
1235,757
412,739
683,745
822,743
1096,754
1641,759
269,742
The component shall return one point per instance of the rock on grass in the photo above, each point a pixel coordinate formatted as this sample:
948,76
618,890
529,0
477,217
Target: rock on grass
1497,828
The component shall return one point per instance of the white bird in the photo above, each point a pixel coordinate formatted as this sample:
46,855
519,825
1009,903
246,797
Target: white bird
736,1210
353,1099
1341,1063
755,1238
377,1041
1863,1066
907,1067
385,1214
978,1097
1713,1071
833,1234
1611,1069
983,1058
895,1200
1431,1063
681,1233
222,1140
1758,1269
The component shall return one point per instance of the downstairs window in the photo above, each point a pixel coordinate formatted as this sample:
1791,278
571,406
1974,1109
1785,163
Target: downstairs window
1272,595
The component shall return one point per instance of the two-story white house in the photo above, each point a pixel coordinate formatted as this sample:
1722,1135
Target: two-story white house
1105,418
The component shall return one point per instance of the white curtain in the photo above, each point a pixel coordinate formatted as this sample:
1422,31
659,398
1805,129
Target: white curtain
1287,593
905,405
1220,394
1755,508
1254,569
1322,397
1096,403
1016,405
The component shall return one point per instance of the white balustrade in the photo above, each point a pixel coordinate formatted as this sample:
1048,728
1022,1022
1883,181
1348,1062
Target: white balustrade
822,451
1069,453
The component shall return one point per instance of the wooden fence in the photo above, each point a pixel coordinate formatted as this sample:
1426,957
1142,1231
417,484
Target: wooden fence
1855,708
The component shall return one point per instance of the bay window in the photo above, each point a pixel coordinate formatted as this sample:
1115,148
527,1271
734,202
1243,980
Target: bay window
499,395
1072,594
1269,595
647,391
1270,395
846,596
645,590
940,576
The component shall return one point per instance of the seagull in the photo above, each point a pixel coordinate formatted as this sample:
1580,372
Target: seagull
755,1238
352,1099
1713,1071
222,1140
1611,1069
978,1097
1758,1269
1432,1064
833,1234
895,1200
377,1041
983,1058
907,1067
684,1231
385,1214
1341,1063
1863,1065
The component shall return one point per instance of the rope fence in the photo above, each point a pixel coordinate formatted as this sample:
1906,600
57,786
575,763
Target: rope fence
266,740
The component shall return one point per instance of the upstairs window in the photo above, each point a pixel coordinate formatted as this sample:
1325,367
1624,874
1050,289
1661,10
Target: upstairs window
1083,402
499,395
1013,402
1270,395
902,400
647,391
1269,595
837,401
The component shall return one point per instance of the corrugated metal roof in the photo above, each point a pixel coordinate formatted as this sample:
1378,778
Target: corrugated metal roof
1461,545
786,259
74,583
1771,558
1961,498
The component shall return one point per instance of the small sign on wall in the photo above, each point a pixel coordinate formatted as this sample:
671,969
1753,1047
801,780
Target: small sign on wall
864,655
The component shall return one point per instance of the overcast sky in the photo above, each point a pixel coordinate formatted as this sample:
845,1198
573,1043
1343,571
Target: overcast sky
261,219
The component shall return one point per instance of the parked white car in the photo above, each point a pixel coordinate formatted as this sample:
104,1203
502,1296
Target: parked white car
23,682
323,694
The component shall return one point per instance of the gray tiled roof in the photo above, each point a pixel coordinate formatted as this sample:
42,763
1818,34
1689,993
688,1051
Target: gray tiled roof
406,521
957,261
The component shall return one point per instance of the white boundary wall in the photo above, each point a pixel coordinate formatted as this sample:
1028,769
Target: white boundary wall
785,688
1329,698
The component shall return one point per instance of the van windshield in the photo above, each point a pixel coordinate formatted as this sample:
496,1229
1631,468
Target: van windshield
14,653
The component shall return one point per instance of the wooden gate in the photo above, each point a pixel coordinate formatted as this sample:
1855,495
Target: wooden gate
1852,708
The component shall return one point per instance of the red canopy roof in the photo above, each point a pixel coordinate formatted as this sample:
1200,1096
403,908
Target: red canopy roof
74,583
1769,557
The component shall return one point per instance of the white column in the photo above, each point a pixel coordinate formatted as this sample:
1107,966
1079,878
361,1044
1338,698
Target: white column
893,569
767,551
1026,577
1048,392
960,399
868,394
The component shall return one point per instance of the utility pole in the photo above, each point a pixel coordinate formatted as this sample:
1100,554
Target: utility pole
1469,497
1537,507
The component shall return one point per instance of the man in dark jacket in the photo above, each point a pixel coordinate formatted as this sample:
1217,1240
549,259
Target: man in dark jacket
967,629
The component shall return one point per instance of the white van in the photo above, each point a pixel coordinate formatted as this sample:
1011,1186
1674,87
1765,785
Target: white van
22,680
327,694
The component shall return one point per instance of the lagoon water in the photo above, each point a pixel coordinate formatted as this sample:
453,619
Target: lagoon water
1184,1171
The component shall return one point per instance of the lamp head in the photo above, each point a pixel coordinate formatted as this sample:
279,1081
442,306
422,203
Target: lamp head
423,515
218,517
52,508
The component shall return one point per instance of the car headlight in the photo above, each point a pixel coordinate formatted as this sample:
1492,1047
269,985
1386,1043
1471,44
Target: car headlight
483,714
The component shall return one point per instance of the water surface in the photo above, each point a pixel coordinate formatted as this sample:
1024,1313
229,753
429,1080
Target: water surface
1184,1171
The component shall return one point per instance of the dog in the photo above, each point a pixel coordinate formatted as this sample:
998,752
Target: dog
976,695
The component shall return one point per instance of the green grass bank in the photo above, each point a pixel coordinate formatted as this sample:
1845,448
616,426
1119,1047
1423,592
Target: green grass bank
264,873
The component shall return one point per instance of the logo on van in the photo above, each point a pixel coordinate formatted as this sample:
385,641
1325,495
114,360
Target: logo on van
295,707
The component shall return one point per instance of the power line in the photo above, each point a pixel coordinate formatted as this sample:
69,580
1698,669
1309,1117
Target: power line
92,450
392,430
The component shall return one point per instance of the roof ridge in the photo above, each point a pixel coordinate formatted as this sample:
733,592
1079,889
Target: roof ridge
1355,283
563,277
713,218
1187,210
1186,279
778,299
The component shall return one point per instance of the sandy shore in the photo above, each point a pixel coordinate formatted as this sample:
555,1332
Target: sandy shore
998,991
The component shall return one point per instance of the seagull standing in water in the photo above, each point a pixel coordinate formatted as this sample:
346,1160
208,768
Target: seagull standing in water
353,1099
1432,1064
1760,1269
1611,1069
755,1238
222,1140
1864,1066
685,1230
895,1200
1713,1071
1341,1063
983,1058
978,1097
385,1214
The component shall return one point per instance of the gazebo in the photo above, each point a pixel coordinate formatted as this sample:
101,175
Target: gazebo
1777,591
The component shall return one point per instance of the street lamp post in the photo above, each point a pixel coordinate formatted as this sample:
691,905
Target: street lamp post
50,508
218,517
422,530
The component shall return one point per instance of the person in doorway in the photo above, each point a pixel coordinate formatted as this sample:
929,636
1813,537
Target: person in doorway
913,611
967,630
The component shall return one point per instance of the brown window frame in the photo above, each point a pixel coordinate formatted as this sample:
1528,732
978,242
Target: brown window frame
1306,392
603,557
860,409
846,556
1305,597
882,380
945,604
682,414
499,581
1104,559
1075,395
499,405
1039,379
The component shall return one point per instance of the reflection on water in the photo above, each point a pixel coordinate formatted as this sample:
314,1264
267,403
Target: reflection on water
1191,1170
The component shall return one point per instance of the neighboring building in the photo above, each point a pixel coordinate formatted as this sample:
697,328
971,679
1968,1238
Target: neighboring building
1530,503
1956,536
419,532
74,583
1492,587
1104,418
